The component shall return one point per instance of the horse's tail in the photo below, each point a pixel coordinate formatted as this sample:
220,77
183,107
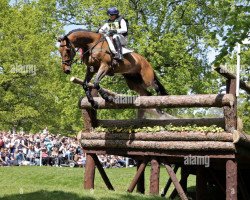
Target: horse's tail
159,87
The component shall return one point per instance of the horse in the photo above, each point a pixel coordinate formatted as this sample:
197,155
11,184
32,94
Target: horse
98,58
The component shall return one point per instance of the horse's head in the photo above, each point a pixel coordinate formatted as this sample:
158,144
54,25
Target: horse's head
68,53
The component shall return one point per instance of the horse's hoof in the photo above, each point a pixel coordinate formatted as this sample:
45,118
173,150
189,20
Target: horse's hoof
108,98
94,105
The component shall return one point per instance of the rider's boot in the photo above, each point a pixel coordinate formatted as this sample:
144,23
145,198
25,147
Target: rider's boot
118,46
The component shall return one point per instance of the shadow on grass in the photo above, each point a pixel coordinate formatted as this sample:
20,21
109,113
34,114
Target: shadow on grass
60,195
132,197
48,195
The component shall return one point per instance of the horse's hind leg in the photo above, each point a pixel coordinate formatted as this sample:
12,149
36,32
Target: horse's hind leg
159,88
136,83
149,78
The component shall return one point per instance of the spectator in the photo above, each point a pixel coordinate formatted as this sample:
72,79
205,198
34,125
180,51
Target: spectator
3,157
31,155
80,160
46,159
19,149
48,144
54,155
20,157
1,143
62,154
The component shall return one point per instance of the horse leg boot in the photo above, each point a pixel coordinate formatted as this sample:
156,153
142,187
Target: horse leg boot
88,77
118,46
100,74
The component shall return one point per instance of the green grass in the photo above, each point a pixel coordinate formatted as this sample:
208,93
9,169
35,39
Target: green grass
52,183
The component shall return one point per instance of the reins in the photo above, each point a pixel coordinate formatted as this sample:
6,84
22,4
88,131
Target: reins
72,61
90,49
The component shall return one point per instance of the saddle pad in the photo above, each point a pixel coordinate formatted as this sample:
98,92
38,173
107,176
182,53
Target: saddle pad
112,48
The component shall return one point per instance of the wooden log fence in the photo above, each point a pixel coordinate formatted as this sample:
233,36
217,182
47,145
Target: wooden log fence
169,145
138,175
176,183
175,145
139,123
160,136
173,101
229,75
241,139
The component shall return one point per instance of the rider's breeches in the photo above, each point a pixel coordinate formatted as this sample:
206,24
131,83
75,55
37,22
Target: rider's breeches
121,38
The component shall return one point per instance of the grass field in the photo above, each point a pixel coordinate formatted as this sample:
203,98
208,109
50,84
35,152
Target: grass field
56,183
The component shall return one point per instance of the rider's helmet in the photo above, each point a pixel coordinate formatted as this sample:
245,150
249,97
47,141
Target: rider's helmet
113,11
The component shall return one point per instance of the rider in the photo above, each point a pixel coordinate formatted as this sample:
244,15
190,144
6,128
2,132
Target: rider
116,26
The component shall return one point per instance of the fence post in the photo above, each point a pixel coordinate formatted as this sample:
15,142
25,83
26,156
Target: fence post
154,176
90,122
230,112
231,180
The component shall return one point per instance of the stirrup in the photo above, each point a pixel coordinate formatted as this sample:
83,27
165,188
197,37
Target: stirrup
118,56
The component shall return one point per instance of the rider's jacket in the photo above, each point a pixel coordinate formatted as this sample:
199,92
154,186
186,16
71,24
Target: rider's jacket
119,24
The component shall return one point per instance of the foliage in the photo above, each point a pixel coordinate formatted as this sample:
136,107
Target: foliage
155,129
175,36
30,82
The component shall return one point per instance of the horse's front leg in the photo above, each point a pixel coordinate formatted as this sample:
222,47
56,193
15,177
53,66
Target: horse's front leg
88,76
100,74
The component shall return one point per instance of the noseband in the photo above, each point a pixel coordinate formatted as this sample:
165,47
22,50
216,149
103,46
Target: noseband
70,61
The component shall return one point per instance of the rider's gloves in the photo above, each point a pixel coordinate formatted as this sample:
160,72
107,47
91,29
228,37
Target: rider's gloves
112,32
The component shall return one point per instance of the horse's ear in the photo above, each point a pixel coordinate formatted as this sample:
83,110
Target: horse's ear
59,39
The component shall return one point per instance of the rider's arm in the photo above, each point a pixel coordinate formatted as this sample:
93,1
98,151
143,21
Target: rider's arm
123,28
104,28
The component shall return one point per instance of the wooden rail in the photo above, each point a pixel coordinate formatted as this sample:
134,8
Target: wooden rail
166,147
229,75
139,123
172,101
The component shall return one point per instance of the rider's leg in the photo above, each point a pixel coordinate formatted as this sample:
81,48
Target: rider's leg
118,46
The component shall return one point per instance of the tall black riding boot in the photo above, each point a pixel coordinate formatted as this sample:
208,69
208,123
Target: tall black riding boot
118,47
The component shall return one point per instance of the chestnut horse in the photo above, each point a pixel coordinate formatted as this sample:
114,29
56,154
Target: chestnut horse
98,58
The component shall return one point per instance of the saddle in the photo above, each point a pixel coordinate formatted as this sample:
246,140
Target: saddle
112,47
114,62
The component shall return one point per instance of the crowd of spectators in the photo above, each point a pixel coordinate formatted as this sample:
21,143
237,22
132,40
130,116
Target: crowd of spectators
47,149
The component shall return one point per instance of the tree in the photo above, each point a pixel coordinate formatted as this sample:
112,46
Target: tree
28,33
175,36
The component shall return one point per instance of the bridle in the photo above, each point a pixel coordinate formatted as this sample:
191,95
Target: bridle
71,47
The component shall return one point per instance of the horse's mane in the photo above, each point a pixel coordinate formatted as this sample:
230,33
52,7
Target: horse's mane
77,30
